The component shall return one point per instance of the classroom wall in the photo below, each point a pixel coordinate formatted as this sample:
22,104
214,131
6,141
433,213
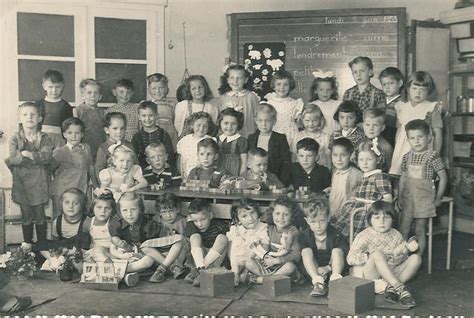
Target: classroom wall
207,30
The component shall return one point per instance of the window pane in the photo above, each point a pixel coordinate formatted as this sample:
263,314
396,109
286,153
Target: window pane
45,34
108,74
30,77
120,38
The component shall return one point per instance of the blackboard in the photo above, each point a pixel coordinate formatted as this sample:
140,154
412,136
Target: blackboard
325,39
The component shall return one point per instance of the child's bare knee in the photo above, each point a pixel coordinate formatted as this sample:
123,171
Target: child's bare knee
414,260
337,252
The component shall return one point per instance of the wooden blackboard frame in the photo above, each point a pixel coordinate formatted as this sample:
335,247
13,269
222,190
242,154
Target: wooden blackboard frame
237,19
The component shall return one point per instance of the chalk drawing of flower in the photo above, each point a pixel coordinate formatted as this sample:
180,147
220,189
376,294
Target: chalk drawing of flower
281,53
247,61
265,72
267,53
257,66
256,80
250,46
264,78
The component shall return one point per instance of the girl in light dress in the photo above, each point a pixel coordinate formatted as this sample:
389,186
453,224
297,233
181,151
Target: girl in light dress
232,146
287,107
198,95
235,93
246,230
200,124
420,89
311,123
374,186
123,175
323,92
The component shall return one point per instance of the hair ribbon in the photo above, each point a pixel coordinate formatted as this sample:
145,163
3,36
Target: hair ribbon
375,146
322,74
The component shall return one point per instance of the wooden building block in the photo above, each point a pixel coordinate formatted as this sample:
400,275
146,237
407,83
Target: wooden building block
276,285
351,295
216,281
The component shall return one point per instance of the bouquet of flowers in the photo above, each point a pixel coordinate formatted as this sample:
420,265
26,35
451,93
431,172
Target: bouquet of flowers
21,263
67,268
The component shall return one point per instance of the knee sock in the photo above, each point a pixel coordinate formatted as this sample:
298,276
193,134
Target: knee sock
27,233
198,256
41,230
211,257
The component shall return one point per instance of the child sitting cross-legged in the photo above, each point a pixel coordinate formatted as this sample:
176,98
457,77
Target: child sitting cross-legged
208,239
152,241
158,168
323,249
246,230
380,253
258,170
279,257
207,169
168,213
67,228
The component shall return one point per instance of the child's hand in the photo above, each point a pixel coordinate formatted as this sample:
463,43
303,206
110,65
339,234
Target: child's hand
412,244
123,187
128,256
27,154
327,190
270,261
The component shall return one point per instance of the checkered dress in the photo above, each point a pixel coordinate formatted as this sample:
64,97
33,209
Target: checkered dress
372,188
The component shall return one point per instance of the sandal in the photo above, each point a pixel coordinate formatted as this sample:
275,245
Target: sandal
22,303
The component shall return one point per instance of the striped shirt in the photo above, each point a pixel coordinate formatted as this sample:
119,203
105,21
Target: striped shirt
209,236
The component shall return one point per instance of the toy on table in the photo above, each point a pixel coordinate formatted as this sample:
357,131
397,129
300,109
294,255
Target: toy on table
302,193
159,186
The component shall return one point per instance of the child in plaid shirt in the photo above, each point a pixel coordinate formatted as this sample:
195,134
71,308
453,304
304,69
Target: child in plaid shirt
380,253
363,93
374,186
418,196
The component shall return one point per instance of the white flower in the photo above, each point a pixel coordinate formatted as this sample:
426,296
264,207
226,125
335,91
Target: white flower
265,72
247,61
264,78
257,66
267,53
250,46
256,80
281,53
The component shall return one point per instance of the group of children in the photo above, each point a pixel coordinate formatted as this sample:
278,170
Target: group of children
371,154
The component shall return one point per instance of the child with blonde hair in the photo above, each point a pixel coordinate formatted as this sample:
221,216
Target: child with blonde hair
311,122
91,114
235,91
123,175
286,107
158,92
28,161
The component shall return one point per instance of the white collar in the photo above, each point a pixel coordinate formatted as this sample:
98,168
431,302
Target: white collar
342,172
273,96
391,99
238,94
368,174
71,146
348,132
229,138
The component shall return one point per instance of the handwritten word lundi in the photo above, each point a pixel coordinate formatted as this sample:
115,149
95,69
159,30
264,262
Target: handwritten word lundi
310,54
318,39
